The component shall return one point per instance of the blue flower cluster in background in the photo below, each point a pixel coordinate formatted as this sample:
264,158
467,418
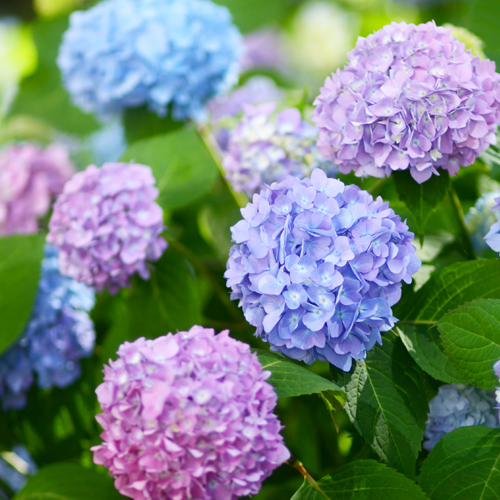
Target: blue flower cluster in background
58,334
15,467
127,53
458,405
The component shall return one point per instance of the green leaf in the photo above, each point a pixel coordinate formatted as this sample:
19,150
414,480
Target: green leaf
42,95
290,379
141,123
421,199
20,261
386,401
482,21
446,290
67,481
471,338
464,465
181,164
362,480
167,302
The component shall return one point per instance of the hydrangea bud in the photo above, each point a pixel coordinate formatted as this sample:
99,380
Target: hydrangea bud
479,220
410,97
188,417
58,334
30,177
160,53
266,146
455,406
317,266
106,224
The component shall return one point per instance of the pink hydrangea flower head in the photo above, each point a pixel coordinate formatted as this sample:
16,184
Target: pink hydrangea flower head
188,417
107,225
410,97
30,177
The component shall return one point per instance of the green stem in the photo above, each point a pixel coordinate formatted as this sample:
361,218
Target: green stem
459,214
293,462
218,157
203,270
417,322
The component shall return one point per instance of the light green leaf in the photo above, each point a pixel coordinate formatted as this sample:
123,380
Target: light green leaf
362,480
421,199
181,164
20,261
464,465
471,339
67,481
386,401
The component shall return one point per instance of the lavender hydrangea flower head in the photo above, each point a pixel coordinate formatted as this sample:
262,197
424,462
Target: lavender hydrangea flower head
479,220
58,334
410,97
265,48
128,53
455,406
107,224
30,177
188,417
266,146
317,266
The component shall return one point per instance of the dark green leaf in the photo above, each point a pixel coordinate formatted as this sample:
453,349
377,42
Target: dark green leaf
386,401
471,338
362,480
141,123
167,302
482,21
182,166
464,465
67,481
421,199
20,261
290,379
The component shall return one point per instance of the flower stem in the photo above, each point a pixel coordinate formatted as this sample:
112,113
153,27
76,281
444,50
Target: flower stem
459,214
218,157
296,464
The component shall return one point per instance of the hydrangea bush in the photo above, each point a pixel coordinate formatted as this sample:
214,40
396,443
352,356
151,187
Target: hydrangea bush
350,264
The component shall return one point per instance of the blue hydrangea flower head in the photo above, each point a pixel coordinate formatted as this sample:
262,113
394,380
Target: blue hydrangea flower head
492,237
479,220
458,405
316,267
15,478
128,53
58,334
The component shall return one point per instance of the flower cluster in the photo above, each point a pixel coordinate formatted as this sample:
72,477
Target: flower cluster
30,177
106,224
479,220
15,478
412,98
58,334
265,147
265,48
492,237
458,405
317,266
496,367
127,53
188,416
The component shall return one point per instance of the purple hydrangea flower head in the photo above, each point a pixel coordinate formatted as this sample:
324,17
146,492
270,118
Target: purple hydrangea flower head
479,220
188,417
317,266
410,97
458,405
30,177
496,367
128,53
107,224
265,48
58,334
266,146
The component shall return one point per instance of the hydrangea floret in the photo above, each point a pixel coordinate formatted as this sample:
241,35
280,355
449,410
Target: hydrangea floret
458,405
107,225
317,266
58,334
267,146
492,237
496,367
410,97
479,220
30,177
160,53
188,417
